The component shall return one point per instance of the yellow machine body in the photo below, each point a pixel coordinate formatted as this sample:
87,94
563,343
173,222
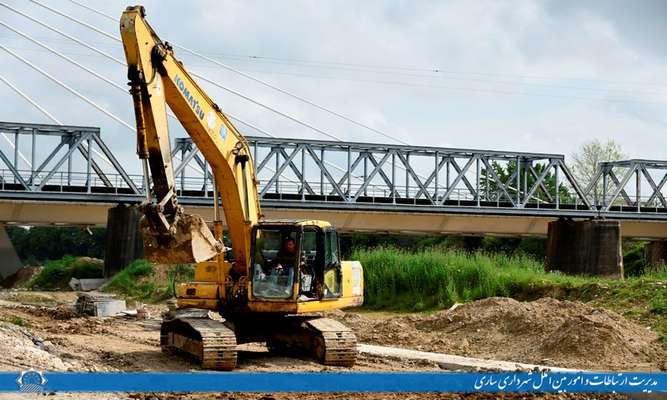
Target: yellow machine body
274,269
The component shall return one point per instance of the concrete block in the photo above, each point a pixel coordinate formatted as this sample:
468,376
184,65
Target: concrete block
85,285
99,304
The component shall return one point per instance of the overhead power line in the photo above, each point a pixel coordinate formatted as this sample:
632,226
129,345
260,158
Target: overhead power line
247,76
383,67
67,87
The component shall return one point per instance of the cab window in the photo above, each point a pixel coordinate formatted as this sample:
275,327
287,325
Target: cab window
332,268
275,262
310,259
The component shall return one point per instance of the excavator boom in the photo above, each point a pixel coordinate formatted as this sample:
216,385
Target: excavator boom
157,79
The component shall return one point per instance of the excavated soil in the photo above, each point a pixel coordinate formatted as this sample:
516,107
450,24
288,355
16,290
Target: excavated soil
545,331
21,277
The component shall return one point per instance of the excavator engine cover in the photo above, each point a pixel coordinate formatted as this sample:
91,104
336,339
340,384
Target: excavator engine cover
189,241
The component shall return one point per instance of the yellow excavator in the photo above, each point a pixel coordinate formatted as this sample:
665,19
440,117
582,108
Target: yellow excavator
278,274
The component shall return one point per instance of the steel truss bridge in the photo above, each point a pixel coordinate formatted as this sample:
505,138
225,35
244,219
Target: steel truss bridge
70,176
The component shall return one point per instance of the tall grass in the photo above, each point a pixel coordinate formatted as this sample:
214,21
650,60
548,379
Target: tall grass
436,278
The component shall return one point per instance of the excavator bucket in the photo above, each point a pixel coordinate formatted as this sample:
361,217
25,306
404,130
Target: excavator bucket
191,242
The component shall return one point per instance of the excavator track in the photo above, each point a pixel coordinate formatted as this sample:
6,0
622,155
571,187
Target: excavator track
326,340
333,343
211,342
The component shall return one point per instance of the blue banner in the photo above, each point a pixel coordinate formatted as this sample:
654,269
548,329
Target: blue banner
275,382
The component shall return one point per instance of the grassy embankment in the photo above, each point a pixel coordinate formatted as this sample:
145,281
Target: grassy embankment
436,279
56,274
143,281
140,280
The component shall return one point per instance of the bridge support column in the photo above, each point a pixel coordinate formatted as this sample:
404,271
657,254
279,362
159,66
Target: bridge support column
656,254
123,242
585,247
10,260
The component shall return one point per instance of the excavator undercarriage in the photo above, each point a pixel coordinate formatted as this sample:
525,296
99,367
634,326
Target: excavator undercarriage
213,343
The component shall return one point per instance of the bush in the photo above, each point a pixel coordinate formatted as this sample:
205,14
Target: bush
18,321
56,274
634,259
41,243
129,283
143,281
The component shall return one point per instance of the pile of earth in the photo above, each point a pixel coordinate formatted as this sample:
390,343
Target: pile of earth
545,331
20,348
21,277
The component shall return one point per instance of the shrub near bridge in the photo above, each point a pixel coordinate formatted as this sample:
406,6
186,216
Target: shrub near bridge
56,274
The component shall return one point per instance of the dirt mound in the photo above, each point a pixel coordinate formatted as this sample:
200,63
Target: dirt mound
20,348
59,313
21,277
545,331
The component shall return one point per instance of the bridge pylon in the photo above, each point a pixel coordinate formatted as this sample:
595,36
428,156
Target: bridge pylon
124,243
591,247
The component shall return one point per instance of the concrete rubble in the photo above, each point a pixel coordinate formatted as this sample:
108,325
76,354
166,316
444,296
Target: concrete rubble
99,304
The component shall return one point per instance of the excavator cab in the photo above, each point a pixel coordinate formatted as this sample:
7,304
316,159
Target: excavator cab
297,262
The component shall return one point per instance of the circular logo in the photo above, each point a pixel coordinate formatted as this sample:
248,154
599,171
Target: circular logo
31,380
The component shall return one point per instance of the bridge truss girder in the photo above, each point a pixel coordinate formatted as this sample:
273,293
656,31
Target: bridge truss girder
347,172
608,190
60,154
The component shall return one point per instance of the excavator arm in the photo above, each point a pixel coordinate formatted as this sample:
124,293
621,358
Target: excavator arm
157,79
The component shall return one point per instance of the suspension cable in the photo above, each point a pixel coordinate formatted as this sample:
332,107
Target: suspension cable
64,57
236,71
116,60
31,101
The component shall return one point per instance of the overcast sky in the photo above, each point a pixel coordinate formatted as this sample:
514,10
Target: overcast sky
542,76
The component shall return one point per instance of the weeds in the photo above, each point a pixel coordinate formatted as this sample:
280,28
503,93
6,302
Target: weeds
129,283
141,281
18,321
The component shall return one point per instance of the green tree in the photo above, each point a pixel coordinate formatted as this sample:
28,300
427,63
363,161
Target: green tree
585,162
41,243
504,173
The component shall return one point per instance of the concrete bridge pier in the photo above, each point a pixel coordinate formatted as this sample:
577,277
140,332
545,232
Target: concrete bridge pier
590,247
656,254
10,260
124,243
